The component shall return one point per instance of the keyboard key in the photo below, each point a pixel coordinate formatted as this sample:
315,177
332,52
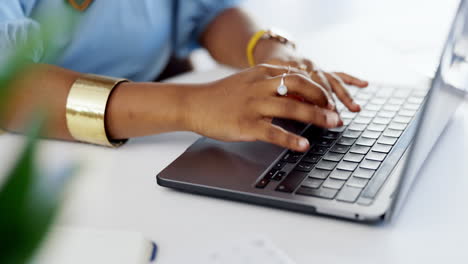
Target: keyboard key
363,173
363,120
421,93
319,174
337,148
340,174
392,133
384,92
407,113
279,176
353,157
333,183
382,148
312,158
376,127
262,183
359,149
326,165
402,119
396,101
371,134
337,129
368,113
381,120
330,135
357,127
387,140
415,100
347,114
397,126
368,142
369,164
386,114
319,150
325,142
391,107
312,183
279,165
377,156
410,106
372,106
347,165
360,102
346,121
325,193
291,181
378,101
349,194
346,141
357,182
401,93
292,157
332,156
271,174
304,166
351,134
363,96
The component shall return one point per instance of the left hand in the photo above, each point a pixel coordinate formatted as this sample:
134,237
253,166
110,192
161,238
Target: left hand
333,82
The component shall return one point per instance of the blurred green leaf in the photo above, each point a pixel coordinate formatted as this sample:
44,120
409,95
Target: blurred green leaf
28,204
28,200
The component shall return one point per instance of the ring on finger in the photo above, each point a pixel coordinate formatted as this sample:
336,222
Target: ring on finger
282,89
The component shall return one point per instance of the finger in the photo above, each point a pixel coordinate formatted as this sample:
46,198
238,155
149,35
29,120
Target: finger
342,93
298,84
324,79
309,65
351,80
276,135
270,70
281,107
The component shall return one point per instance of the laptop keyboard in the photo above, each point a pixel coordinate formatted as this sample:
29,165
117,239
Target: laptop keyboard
343,161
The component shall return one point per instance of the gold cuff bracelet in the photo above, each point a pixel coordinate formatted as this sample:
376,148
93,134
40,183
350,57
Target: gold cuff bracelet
86,109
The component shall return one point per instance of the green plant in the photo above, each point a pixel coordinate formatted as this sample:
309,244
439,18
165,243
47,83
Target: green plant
28,200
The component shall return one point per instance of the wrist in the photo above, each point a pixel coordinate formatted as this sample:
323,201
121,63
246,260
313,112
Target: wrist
142,109
267,49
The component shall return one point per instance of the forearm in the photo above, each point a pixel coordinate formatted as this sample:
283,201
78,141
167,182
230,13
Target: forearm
133,109
226,39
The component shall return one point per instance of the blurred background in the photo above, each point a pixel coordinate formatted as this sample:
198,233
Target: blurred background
383,37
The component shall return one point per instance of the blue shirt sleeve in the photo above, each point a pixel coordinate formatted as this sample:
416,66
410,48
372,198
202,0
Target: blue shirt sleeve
15,28
192,17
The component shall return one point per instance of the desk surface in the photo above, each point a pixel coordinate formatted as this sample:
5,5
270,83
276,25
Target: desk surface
116,189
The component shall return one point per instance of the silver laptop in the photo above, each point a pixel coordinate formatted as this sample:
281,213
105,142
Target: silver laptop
361,171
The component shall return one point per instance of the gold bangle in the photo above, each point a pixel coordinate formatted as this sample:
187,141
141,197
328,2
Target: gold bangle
264,34
86,109
252,44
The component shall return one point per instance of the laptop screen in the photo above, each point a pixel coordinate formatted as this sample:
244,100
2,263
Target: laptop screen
445,96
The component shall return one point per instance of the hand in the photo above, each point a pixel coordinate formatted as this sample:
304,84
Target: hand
274,53
241,107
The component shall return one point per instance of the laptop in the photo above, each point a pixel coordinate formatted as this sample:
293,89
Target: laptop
361,171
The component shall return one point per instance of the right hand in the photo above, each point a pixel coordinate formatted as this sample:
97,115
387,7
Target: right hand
241,107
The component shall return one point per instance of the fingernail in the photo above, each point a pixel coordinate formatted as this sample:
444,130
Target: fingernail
333,119
357,106
303,143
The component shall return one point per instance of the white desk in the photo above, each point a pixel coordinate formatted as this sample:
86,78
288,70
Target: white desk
116,189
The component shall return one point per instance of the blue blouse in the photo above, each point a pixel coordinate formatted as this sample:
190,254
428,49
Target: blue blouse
123,38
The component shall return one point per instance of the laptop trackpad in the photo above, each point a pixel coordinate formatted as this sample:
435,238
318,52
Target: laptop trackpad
226,165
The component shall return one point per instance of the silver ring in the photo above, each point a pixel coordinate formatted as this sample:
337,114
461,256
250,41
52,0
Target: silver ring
282,88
